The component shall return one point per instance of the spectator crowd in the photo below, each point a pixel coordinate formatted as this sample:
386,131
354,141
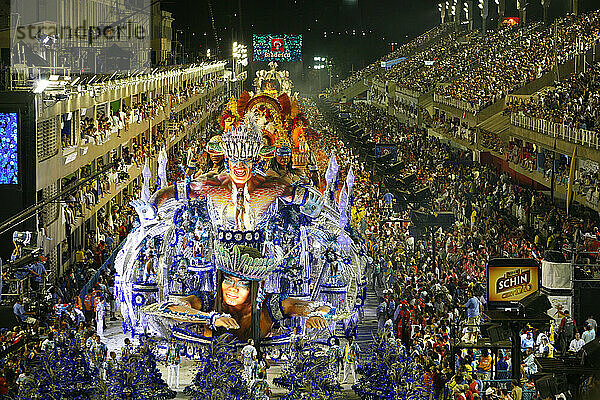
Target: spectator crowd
427,298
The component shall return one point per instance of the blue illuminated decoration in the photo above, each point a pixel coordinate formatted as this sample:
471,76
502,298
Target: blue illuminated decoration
278,48
9,165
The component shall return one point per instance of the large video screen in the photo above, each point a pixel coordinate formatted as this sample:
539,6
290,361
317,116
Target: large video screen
511,280
268,47
9,155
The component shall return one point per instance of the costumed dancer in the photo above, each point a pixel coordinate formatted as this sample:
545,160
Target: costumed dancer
173,360
98,352
260,389
126,350
110,365
381,315
336,359
249,354
351,352
295,342
100,311
261,365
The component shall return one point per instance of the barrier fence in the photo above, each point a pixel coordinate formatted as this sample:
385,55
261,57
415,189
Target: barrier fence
560,131
456,103
88,287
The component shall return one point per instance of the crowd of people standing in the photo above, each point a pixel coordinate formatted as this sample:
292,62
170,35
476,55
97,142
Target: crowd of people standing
430,295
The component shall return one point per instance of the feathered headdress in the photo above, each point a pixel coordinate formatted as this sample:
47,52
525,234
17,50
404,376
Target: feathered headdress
243,141
237,262
227,114
214,145
283,145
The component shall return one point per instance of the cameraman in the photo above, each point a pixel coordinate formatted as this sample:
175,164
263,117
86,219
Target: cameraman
38,272
19,311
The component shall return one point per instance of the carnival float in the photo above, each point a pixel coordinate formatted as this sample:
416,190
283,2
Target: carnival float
255,244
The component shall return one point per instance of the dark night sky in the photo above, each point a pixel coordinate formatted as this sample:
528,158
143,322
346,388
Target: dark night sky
383,21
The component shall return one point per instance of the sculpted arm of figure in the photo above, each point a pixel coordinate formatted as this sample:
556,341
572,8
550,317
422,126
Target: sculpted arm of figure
309,199
188,310
304,309
162,195
183,190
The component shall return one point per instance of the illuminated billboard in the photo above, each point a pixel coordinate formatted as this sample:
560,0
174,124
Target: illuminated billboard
511,21
279,48
9,149
511,280
382,150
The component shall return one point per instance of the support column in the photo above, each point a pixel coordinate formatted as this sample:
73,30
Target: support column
501,10
456,7
521,5
546,7
515,357
484,6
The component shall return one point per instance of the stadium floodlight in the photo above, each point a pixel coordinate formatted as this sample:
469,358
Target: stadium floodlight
41,85
240,52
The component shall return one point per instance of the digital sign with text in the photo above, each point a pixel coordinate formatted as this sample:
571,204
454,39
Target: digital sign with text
508,283
279,48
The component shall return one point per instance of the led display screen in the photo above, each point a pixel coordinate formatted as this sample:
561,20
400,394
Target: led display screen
278,48
509,282
383,150
9,163
512,21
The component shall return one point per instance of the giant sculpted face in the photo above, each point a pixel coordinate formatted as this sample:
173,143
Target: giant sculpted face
240,171
235,291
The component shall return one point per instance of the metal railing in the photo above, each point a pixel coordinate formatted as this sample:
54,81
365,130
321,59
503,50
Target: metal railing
456,103
560,131
24,77
408,92
89,286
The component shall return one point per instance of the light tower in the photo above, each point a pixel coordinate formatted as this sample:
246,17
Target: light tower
546,6
483,8
455,14
442,9
522,7
501,9
467,8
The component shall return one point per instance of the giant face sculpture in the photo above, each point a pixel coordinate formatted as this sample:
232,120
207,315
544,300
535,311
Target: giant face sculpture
283,160
240,171
235,291
216,158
